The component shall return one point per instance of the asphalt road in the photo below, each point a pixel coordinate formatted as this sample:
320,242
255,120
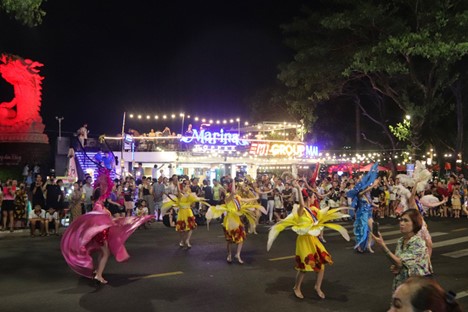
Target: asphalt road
160,276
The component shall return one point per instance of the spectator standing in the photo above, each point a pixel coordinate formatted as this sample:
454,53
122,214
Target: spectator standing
37,192
36,169
207,191
146,193
25,172
83,135
54,195
21,201
218,191
129,203
88,194
154,172
158,192
196,189
287,197
8,204
76,201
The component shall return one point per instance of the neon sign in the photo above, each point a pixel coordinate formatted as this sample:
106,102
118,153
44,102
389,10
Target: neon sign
282,149
198,148
208,137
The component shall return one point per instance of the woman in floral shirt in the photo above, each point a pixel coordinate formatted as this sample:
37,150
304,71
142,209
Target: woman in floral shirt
410,257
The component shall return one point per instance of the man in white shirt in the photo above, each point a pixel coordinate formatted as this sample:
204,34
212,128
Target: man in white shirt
88,191
52,217
36,219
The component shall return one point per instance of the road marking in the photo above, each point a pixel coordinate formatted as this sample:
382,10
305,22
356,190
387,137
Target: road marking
156,275
351,232
462,294
282,258
435,234
456,254
450,242
458,230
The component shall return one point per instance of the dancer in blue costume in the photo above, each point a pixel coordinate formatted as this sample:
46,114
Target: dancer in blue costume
362,203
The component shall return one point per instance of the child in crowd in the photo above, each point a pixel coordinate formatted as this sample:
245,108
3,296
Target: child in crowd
456,203
142,211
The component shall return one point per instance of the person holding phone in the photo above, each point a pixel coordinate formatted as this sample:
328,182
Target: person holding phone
410,257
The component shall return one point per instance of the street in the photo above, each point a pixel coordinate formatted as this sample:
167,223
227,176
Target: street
160,276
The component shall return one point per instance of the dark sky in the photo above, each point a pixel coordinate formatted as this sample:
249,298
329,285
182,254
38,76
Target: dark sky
102,58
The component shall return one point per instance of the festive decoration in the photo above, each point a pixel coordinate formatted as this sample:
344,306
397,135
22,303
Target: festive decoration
20,120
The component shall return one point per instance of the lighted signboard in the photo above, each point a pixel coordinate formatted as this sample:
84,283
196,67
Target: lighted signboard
283,149
198,148
212,138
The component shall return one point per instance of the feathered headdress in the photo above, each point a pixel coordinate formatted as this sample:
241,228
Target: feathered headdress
366,180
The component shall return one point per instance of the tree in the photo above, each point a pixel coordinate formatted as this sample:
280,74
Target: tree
408,51
27,12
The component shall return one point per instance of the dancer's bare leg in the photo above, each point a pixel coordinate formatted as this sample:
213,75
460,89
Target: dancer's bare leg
187,238
229,254
297,286
369,240
238,252
102,261
182,239
318,283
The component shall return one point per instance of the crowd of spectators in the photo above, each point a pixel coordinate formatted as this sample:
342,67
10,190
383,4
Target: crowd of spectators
50,201
38,203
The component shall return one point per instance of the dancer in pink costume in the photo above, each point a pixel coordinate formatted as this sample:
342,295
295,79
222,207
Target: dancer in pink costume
98,231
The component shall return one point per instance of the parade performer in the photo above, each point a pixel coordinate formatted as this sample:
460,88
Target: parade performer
98,231
311,255
234,209
362,203
182,202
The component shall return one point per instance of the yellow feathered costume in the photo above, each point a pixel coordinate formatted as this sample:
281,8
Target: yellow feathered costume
183,203
311,255
234,208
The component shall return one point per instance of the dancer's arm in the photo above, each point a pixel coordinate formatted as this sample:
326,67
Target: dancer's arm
300,210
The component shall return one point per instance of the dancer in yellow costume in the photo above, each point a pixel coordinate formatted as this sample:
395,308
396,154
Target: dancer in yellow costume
311,255
234,208
183,203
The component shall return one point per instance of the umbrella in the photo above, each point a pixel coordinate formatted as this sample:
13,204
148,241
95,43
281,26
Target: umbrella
369,166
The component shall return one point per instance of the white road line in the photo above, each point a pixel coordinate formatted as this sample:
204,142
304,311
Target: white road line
435,234
351,232
457,254
449,242
383,227
462,294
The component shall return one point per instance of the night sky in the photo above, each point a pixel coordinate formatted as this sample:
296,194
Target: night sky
102,58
